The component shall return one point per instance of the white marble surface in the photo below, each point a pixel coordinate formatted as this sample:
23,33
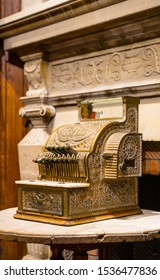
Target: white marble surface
52,184
138,227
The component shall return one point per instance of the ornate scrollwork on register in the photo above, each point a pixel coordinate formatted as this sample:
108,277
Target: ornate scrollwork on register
88,171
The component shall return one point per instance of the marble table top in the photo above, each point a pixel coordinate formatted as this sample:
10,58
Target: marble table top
134,228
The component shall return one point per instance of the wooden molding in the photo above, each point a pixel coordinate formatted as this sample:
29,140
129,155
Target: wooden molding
49,13
85,26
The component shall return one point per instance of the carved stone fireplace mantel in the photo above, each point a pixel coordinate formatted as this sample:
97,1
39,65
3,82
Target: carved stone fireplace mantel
85,25
88,36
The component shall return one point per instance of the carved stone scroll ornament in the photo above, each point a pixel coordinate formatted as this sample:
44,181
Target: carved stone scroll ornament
39,115
151,55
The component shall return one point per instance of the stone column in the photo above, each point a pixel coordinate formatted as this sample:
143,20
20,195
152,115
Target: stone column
38,114
39,117
37,252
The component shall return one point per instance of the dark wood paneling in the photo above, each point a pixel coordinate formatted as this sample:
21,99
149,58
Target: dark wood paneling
11,132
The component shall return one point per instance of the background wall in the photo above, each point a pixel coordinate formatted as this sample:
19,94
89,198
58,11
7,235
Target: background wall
28,3
149,118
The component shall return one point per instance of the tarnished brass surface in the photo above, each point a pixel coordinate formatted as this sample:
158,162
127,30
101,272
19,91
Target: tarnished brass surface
87,171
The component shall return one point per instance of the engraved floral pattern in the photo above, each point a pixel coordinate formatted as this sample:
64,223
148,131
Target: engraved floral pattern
42,202
106,194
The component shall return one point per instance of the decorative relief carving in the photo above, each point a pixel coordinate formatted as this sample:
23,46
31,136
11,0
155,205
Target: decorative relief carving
151,56
130,125
34,70
42,201
114,67
132,62
102,194
106,69
130,148
129,161
37,111
79,136
132,119
39,115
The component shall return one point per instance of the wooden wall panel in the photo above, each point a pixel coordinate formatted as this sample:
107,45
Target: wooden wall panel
2,135
12,130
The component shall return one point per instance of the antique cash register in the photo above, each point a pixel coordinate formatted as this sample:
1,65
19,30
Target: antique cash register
88,171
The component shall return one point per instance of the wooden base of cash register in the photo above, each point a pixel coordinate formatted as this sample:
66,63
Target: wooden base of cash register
59,203
49,219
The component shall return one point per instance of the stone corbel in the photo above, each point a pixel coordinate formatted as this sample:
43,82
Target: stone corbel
35,73
38,115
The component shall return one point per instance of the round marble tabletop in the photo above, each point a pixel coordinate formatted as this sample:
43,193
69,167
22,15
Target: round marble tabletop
134,228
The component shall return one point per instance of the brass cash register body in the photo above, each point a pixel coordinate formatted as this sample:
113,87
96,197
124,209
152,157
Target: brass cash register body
88,171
